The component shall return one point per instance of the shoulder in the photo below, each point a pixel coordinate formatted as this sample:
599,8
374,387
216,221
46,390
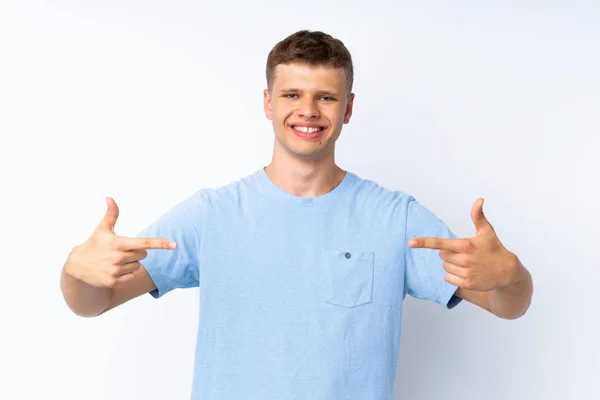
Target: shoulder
225,195
398,205
372,194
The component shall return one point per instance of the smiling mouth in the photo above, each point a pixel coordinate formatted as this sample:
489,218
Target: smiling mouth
307,130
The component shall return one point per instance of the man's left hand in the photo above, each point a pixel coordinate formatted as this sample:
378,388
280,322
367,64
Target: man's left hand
478,263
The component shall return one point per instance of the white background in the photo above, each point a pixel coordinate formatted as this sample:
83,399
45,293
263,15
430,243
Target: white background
148,101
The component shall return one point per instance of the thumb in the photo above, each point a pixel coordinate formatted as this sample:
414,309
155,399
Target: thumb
110,218
479,220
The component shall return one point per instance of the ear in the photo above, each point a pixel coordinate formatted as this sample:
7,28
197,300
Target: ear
267,104
349,106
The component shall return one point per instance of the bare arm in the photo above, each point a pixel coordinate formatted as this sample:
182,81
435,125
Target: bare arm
141,284
485,272
90,301
105,271
83,299
508,302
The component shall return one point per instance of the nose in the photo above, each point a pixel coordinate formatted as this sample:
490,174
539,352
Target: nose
308,109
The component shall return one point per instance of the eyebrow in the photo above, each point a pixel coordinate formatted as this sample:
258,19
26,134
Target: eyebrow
319,92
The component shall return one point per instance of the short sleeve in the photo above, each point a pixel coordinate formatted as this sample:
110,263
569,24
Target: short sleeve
179,268
424,271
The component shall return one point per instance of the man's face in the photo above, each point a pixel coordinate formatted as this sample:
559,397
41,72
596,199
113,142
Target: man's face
308,106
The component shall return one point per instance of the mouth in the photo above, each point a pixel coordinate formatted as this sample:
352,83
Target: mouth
307,132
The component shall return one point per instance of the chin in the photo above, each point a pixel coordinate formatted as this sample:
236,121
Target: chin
312,154
311,148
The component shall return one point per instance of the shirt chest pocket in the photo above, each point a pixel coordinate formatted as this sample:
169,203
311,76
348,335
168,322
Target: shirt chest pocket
348,277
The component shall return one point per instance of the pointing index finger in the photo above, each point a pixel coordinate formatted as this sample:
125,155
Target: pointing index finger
146,243
436,243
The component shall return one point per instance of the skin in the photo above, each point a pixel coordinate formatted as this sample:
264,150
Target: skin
486,273
105,271
307,95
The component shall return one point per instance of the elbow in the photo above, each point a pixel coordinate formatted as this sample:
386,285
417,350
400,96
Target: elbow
515,313
84,312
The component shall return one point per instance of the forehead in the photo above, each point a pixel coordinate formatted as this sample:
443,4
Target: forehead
309,77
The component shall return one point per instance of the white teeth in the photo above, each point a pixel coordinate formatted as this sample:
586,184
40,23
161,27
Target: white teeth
306,129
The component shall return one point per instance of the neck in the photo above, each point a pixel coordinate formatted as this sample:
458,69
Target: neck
304,178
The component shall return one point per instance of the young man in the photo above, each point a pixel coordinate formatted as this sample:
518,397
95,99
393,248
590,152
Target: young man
302,266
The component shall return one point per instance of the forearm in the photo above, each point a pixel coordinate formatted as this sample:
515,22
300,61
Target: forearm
83,299
512,301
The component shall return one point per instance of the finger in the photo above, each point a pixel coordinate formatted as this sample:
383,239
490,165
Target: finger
124,278
478,217
455,280
125,243
110,218
454,269
129,268
460,259
455,245
133,255
125,273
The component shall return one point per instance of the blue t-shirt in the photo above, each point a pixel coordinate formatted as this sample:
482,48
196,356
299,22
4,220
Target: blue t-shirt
300,298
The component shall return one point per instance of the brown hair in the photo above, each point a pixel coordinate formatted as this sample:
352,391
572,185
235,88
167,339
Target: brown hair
313,48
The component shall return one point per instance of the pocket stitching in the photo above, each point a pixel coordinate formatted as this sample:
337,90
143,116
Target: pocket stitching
333,258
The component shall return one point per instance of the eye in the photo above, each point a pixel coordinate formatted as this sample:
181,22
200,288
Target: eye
289,95
328,98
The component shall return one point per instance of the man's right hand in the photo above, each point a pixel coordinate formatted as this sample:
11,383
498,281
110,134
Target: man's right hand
106,260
